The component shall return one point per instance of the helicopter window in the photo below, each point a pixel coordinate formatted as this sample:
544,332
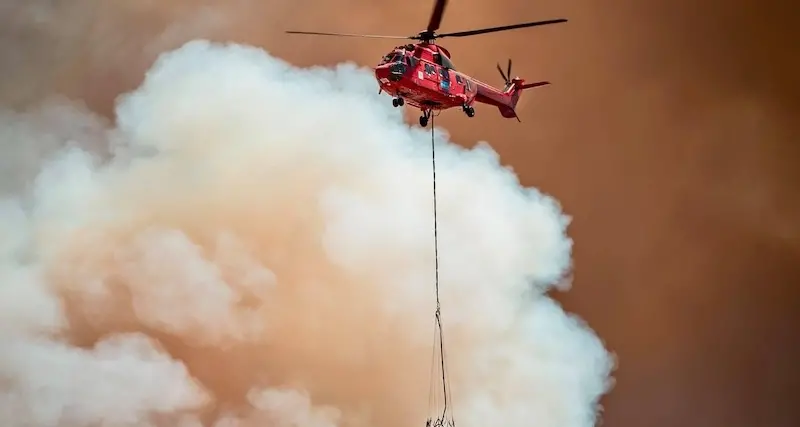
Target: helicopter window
459,80
447,63
443,61
429,69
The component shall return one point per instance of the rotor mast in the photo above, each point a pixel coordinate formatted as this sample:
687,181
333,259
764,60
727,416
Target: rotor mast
429,34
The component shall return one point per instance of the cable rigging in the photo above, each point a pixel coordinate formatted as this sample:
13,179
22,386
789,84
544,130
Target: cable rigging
443,418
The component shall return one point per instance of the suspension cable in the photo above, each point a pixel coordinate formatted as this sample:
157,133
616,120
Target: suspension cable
436,279
435,219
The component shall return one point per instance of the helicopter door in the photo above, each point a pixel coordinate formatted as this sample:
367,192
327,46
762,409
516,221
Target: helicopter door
430,72
461,84
444,79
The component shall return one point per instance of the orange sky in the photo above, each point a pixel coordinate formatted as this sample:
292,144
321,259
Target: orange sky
669,133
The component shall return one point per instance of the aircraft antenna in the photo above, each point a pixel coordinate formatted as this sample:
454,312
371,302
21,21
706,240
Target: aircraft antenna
444,418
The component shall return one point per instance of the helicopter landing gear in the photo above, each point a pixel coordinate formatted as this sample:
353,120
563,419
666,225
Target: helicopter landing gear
423,119
398,102
468,110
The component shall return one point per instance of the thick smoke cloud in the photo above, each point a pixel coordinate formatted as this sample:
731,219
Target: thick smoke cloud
669,134
232,263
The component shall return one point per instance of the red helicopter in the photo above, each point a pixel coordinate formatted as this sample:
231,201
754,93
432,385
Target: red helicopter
422,74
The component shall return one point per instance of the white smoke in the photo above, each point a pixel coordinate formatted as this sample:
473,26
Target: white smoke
258,252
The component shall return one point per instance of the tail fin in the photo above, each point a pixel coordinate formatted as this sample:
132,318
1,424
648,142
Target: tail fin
513,90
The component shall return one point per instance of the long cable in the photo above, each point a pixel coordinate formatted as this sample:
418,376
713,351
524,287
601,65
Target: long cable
435,217
436,268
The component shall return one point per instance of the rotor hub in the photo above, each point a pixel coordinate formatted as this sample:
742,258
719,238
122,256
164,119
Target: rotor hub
426,36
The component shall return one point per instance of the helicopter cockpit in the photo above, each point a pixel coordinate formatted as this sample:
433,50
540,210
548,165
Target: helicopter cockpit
400,62
398,54
392,56
444,61
404,55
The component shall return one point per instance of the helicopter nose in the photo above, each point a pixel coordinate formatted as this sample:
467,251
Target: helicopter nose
397,68
392,72
396,71
382,72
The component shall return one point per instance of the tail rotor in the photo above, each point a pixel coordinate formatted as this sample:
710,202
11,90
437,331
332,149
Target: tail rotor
506,75
513,89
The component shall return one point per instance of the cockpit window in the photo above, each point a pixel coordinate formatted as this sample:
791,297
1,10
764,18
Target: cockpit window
392,57
447,63
443,61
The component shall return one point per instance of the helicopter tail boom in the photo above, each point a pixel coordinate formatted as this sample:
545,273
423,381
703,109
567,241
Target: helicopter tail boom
514,92
506,100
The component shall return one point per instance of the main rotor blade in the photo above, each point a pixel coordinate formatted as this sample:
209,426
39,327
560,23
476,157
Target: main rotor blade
436,15
503,28
372,36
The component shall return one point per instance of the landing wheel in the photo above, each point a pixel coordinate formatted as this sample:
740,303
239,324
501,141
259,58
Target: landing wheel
398,102
423,119
469,111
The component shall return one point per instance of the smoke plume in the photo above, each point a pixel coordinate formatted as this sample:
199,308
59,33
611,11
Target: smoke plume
250,244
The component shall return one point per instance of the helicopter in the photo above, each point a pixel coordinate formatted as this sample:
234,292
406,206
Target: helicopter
422,74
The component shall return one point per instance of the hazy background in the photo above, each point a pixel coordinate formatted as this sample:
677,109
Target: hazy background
670,134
